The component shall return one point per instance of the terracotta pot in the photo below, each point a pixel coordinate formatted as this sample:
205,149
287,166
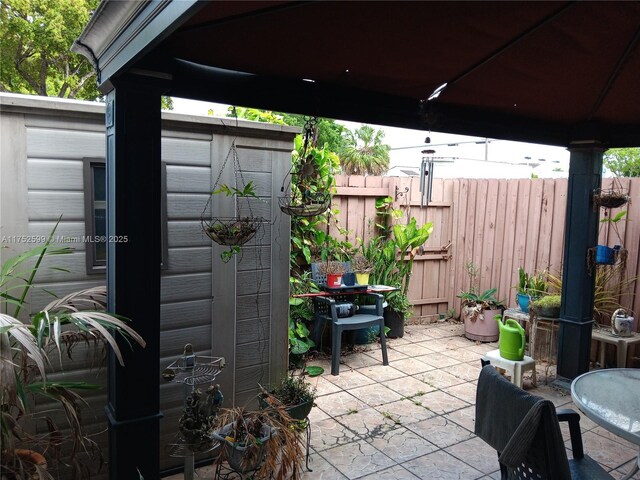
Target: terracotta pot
31,457
484,328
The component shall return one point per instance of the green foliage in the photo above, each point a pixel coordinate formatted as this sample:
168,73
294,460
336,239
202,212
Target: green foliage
310,238
386,215
329,132
614,221
486,299
623,162
25,355
35,43
247,191
314,370
294,390
548,301
364,153
392,257
300,314
532,285
255,114
611,286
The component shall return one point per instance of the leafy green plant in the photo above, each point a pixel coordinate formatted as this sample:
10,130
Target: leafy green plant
548,301
393,256
293,390
313,370
247,191
486,299
474,303
300,314
232,232
531,285
310,238
614,221
25,354
611,286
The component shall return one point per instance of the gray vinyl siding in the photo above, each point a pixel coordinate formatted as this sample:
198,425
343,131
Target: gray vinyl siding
229,310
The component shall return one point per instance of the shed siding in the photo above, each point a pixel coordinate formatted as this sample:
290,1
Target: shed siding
196,307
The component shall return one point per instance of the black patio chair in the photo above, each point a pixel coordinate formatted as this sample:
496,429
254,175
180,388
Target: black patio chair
326,310
525,431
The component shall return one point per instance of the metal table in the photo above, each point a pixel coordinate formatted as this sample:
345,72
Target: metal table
610,398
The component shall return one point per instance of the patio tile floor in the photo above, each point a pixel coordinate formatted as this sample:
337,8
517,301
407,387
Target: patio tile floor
414,419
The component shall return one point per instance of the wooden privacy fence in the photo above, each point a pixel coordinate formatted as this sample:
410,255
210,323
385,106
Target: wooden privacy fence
498,225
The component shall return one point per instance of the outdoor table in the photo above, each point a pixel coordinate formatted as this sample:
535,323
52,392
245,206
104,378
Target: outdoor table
610,398
348,290
605,336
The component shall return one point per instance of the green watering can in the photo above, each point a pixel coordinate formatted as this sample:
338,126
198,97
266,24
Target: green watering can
512,339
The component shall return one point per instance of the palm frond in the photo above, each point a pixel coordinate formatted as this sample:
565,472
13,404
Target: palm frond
26,340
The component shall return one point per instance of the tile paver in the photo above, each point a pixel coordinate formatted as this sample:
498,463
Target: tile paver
415,418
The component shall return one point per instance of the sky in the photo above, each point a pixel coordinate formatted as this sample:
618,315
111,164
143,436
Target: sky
456,156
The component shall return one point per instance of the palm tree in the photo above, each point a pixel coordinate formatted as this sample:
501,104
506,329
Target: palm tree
365,154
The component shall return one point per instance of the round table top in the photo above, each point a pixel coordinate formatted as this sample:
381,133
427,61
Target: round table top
611,398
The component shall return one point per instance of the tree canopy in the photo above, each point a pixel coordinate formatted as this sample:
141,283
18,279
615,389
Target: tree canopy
623,162
330,133
35,42
364,152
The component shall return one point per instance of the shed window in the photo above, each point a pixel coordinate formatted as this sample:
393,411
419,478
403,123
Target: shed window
95,207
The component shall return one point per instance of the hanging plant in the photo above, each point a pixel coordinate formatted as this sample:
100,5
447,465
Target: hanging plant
310,178
609,198
613,197
232,232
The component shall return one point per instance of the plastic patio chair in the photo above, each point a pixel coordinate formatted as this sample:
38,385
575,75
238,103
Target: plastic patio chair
325,310
525,431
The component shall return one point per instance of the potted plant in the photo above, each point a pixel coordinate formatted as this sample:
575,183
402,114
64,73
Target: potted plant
260,442
478,312
362,267
547,306
232,232
333,270
25,355
529,287
392,256
605,255
294,393
613,197
311,176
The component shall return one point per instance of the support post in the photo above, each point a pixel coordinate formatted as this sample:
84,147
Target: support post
578,278
133,126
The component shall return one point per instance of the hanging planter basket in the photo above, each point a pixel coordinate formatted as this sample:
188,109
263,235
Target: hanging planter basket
308,182
605,255
309,207
230,231
610,198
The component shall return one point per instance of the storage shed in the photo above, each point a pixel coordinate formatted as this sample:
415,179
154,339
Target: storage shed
52,165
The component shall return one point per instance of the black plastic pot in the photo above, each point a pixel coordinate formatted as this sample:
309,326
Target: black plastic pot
395,322
296,412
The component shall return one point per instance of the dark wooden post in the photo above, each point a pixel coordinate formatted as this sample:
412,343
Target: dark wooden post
133,275
578,279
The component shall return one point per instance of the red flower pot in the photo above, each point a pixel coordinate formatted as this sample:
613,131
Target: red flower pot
334,280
